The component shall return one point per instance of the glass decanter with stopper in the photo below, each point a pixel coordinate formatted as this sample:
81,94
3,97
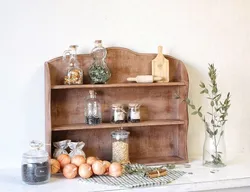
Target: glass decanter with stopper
92,109
74,74
99,72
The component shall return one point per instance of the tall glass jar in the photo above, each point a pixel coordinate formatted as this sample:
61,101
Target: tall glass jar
92,109
120,146
74,74
99,72
35,165
214,148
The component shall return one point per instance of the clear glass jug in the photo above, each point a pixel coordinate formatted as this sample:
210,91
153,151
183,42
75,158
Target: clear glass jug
74,74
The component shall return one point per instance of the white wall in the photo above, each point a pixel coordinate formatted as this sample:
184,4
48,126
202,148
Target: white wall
196,31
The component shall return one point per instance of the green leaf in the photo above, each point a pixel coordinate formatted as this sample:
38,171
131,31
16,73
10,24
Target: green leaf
215,132
206,91
202,85
203,91
187,100
221,133
195,112
192,106
199,108
200,114
212,103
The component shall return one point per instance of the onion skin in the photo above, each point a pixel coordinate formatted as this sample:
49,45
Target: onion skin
63,159
115,169
106,164
91,160
70,171
85,171
98,167
54,166
78,160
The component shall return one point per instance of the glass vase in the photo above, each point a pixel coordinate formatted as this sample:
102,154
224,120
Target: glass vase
214,149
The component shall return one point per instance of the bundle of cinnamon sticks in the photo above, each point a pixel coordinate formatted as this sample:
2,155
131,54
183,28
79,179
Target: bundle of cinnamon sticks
156,173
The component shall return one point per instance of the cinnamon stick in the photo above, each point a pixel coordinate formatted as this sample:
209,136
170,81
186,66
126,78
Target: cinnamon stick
157,173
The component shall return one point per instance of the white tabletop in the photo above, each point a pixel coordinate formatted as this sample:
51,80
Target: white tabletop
198,178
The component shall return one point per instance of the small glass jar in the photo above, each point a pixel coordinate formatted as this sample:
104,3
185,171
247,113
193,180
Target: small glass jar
120,146
118,113
134,113
35,165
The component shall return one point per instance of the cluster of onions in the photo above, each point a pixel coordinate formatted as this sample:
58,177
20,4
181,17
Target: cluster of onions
84,167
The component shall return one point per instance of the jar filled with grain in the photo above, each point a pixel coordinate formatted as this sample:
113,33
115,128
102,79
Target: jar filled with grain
120,146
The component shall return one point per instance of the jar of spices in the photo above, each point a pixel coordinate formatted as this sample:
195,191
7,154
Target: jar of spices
134,113
35,165
120,146
118,113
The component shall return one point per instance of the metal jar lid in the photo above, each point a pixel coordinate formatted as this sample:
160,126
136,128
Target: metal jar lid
117,105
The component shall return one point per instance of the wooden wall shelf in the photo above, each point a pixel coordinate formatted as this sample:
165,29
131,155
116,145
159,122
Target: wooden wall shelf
160,137
80,126
117,85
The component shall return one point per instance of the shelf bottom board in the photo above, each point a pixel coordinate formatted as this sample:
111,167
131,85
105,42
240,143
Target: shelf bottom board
158,160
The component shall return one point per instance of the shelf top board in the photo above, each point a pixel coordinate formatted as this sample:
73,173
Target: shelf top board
118,85
112,126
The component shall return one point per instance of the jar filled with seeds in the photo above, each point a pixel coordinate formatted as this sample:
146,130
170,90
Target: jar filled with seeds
134,113
120,146
118,113
35,165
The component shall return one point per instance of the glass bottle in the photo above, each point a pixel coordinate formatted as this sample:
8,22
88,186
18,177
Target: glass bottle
35,165
74,74
99,72
92,109
120,146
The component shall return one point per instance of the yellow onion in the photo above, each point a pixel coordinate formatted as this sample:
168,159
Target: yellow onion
98,167
91,160
54,166
115,169
63,159
70,171
85,171
106,164
78,160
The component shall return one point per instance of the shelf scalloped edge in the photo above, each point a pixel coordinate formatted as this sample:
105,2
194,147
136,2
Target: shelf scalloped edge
118,85
82,126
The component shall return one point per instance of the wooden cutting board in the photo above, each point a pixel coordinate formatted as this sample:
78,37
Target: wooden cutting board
160,66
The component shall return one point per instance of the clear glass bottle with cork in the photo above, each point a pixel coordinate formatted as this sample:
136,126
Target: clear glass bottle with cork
99,72
74,74
92,109
120,146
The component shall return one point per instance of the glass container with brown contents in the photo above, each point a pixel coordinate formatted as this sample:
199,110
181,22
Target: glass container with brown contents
74,74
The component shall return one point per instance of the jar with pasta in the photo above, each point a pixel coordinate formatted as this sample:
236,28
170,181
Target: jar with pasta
118,114
120,146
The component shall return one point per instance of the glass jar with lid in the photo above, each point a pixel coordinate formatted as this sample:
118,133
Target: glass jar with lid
35,165
120,146
118,113
92,109
134,113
